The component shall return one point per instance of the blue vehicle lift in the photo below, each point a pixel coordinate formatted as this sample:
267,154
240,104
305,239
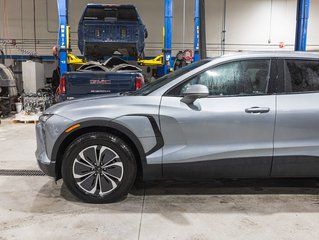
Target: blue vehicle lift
63,35
300,38
64,42
168,27
302,25
196,31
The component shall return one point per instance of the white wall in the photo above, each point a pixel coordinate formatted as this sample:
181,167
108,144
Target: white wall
250,24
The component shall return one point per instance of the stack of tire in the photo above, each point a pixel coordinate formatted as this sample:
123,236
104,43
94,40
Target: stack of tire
8,90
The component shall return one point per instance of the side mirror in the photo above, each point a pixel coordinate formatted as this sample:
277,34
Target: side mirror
194,92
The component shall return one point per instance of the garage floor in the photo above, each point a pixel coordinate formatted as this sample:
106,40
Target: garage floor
34,207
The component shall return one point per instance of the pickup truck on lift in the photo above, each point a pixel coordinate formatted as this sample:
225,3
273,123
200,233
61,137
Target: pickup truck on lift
108,28
93,78
105,30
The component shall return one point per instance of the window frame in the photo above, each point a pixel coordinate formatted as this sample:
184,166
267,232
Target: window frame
271,84
283,73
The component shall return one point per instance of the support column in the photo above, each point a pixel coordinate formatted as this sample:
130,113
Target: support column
168,25
63,41
196,31
302,24
202,30
199,30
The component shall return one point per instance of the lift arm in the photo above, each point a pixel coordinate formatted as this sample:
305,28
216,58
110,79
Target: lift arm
157,61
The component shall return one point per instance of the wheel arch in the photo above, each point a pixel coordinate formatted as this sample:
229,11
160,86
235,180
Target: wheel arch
98,126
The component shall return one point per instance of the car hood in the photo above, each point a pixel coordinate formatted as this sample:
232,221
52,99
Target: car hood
55,109
106,106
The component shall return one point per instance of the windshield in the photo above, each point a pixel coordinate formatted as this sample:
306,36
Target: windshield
147,89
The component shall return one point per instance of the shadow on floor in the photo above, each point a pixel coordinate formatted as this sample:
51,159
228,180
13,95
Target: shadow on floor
299,186
228,187
168,198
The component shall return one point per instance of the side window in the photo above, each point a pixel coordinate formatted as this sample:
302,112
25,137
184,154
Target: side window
247,77
301,76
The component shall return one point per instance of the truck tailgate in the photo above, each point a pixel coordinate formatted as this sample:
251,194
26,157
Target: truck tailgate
79,84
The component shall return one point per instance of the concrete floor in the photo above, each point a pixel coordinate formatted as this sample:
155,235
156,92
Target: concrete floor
37,208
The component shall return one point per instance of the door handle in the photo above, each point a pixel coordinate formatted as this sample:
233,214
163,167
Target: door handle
257,110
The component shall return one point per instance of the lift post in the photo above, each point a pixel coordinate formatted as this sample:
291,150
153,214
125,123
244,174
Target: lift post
63,35
196,31
202,30
199,31
168,25
302,24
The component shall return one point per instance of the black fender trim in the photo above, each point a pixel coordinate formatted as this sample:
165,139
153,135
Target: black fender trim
149,171
157,133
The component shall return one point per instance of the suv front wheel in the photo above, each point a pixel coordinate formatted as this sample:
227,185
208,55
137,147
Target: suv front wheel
99,168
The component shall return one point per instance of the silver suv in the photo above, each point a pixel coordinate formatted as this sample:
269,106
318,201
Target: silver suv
250,115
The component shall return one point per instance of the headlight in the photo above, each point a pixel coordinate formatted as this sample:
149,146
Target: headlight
44,117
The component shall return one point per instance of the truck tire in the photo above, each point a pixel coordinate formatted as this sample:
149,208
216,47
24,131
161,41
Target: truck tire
99,168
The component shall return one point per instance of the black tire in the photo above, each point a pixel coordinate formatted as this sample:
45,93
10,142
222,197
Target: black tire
78,160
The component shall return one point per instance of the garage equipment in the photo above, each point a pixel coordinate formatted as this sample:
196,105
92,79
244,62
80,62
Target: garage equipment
33,76
37,102
199,33
165,59
2,56
64,39
168,34
8,90
183,58
202,28
72,59
157,61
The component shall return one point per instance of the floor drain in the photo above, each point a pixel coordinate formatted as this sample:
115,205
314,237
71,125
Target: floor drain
13,172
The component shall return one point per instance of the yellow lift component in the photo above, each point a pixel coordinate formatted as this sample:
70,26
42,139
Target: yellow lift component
158,61
72,59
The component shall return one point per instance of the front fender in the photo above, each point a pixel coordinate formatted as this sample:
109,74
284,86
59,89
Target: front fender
102,124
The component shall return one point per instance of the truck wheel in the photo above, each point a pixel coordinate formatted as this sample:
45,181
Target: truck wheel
99,168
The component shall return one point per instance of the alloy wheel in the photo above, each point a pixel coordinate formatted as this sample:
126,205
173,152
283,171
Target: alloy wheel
98,170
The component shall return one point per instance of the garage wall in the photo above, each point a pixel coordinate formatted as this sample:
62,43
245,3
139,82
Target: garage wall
250,24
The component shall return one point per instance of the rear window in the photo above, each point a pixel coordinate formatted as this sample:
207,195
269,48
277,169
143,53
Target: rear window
110,14
301,76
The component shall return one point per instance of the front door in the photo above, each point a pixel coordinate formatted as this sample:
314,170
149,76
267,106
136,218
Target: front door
229,133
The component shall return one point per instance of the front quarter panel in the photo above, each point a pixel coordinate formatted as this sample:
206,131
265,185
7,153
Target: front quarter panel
137,114
53,128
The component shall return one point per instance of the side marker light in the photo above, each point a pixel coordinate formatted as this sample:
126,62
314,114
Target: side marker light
72,128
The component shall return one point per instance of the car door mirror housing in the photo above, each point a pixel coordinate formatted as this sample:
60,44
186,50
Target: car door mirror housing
195,92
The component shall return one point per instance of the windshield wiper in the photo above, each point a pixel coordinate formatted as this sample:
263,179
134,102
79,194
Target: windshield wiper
126,93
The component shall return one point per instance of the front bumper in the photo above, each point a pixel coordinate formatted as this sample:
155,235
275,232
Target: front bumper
47,134
45,164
